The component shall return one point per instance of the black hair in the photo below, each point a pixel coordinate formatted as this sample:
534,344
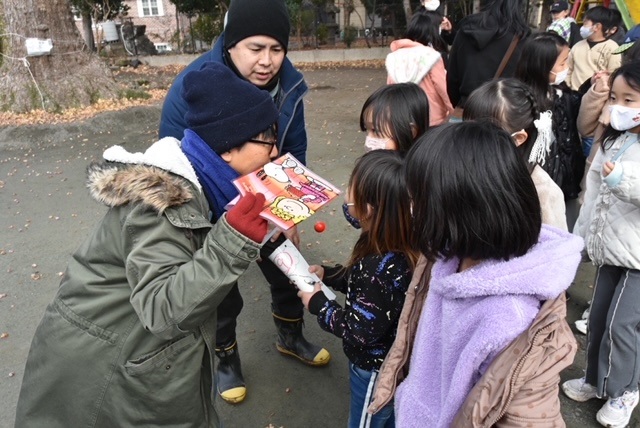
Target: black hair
509,104
472,195
631,54
608,18
506,14
402,109
424,28
537,58
382,205
271,132
630,72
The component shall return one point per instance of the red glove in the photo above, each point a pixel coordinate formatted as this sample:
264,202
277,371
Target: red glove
245,217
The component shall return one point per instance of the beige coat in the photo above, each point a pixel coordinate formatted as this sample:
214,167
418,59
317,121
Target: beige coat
594,112
520,387
594,117
395,366
585,61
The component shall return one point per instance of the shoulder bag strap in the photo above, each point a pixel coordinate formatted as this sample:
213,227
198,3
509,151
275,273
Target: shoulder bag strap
507,56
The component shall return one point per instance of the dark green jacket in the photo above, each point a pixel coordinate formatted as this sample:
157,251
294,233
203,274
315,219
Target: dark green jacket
129,338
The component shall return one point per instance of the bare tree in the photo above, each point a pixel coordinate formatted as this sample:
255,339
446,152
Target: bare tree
406,6
69,76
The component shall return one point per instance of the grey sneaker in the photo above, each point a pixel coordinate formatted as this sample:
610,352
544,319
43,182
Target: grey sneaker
579,390
616,412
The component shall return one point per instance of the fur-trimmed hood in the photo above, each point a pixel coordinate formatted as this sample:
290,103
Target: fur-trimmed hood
537,273
116,184
159,177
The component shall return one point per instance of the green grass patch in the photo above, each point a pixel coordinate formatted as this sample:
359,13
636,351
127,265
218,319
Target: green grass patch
135,94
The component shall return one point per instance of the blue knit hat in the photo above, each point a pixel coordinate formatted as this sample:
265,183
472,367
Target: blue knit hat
224,110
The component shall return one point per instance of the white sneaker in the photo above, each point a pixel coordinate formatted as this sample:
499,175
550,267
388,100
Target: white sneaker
616,412
579,390
581,326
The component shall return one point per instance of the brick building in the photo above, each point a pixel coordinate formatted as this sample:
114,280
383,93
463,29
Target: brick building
162,23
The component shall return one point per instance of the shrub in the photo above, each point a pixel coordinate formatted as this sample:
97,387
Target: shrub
350,33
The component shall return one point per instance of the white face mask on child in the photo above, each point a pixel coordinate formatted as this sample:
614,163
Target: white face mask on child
624,118
431,4
372,143
560,76
586,31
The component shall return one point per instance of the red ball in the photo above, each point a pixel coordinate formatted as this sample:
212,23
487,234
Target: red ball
320,226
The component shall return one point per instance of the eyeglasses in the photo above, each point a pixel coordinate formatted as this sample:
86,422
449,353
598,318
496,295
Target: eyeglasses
271,144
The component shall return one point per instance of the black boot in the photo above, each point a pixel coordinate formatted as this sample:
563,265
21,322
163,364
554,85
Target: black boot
229,380
292,342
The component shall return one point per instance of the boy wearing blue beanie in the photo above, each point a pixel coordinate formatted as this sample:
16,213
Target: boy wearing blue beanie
254,46
129,338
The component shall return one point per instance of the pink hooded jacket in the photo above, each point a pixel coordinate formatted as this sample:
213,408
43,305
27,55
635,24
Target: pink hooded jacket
411,61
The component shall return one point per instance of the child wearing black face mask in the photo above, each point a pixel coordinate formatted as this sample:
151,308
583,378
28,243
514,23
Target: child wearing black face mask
375,279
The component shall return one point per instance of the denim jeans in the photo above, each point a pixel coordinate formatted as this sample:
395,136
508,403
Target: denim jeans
362,385
587,142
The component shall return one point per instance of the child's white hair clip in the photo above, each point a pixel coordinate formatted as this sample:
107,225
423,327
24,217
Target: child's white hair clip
542,145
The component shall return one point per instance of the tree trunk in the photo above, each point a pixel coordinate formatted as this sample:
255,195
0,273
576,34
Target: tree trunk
87,29
70,76
406,5
476,6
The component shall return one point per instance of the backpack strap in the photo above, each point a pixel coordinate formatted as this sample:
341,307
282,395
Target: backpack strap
507,56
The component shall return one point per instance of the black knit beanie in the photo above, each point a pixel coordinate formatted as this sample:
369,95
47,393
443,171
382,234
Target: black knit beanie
223,110
248,18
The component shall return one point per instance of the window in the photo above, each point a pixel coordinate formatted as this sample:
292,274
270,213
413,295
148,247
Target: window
150,8
163,47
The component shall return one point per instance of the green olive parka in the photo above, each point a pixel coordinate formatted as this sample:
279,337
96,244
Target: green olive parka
129,338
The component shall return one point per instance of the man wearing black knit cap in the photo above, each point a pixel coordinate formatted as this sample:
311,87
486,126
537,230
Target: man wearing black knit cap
254,46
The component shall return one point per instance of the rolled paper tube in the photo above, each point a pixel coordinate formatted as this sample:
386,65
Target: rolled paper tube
295,267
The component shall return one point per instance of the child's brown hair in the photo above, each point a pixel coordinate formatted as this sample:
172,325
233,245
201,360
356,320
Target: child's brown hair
383,206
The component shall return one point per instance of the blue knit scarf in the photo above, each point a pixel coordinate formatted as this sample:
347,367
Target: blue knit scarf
215,175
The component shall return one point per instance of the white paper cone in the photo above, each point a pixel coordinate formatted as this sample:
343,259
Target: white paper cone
291,263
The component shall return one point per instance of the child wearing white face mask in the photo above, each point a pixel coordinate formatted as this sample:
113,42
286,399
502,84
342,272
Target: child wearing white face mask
394,116
595,51
446,30
543,67
431,5
609,220
594,109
